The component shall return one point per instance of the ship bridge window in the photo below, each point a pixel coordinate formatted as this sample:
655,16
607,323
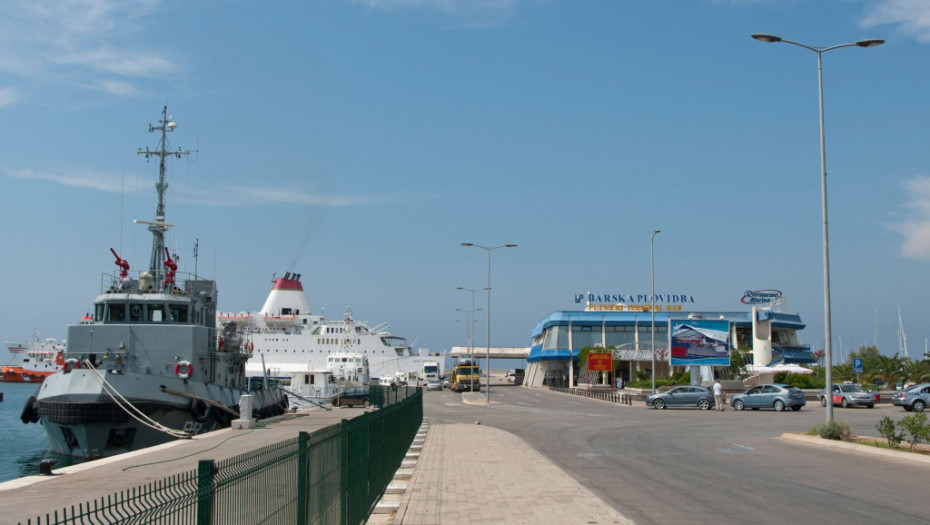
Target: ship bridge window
135,312
156,313
116,312
99,311
177,313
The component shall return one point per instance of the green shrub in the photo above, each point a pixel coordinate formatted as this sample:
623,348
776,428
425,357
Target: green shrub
808,381
886,427
834,429
646,384
916,426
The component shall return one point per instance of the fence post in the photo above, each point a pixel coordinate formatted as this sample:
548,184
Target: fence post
205,491
344,467
302,445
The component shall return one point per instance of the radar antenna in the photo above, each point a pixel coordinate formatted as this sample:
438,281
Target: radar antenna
158,227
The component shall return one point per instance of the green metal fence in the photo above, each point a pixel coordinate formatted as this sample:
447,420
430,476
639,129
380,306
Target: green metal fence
335,475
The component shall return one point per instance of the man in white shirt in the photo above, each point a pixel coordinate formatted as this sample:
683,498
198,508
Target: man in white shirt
719,398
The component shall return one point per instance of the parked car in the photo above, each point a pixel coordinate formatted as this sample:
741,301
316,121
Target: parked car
511,377
683,396
915,398
772,395
445,382
849,395
433,383
353,396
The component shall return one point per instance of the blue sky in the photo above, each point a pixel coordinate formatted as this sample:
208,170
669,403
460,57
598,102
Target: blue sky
360,142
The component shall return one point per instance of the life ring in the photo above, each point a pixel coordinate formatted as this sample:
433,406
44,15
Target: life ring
248,346
135,311
183,369
70,364
199,410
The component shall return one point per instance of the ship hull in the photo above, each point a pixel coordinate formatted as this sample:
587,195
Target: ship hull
83,421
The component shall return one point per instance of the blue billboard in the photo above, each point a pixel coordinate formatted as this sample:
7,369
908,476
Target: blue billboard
697,342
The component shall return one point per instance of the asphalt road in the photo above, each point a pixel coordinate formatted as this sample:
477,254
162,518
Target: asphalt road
682,466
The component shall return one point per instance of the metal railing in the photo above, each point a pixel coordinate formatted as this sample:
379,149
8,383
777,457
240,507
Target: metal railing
604,394
335,475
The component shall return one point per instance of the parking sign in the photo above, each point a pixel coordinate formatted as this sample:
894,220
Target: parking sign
857,366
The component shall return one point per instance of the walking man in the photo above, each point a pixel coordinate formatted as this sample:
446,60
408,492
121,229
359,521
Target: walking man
719,399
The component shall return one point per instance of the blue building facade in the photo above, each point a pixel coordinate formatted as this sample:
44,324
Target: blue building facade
772,337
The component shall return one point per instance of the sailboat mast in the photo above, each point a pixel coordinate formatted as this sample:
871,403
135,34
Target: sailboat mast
902,337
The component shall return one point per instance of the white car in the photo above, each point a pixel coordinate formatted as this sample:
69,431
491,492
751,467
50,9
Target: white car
511,377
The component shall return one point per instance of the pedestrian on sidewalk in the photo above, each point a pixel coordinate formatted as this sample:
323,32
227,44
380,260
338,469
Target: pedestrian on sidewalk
619,382
720,399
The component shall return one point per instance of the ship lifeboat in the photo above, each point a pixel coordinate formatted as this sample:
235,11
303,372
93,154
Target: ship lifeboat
283,321
241,319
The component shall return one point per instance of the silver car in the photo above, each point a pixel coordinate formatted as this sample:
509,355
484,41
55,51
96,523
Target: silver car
773,395
915,398
683,396
849,395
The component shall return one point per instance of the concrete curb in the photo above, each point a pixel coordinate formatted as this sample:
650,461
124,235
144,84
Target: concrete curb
387,508
856,448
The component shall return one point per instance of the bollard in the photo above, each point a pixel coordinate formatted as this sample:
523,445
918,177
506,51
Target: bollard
45,466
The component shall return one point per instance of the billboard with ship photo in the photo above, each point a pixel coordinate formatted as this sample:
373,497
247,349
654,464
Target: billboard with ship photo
700,342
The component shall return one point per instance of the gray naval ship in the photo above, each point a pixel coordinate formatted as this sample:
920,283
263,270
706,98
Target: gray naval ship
150,364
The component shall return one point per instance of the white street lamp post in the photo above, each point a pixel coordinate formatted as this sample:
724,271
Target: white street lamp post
472,318
652,266
489,249
827,348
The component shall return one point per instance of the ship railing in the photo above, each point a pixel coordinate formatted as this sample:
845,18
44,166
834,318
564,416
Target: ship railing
334,475
134,282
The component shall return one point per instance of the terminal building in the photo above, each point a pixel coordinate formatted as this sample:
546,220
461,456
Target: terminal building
626,331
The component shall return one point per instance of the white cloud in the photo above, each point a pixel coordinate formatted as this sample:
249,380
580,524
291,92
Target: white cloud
78,179
84,43
915,228
240,196
473,13
8,96
912,17
265,195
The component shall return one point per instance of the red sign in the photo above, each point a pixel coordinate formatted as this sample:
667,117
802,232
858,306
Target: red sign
600,362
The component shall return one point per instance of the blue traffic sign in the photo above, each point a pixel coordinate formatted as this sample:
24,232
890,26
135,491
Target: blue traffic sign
857,366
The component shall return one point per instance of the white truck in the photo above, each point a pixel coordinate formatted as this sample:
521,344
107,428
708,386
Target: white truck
430,369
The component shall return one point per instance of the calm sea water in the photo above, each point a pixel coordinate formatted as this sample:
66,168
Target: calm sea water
22,446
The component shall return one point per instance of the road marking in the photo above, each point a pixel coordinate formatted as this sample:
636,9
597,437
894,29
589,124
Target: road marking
733,448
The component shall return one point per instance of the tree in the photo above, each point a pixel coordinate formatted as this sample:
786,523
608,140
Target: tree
916,371
891,369
738,360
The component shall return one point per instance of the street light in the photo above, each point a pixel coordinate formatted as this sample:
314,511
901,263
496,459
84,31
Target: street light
489,249
652,265
827,349
471,317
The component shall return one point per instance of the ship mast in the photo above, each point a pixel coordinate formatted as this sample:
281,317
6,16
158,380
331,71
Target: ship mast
158,227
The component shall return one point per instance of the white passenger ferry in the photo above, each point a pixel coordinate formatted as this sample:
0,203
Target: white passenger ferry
285,337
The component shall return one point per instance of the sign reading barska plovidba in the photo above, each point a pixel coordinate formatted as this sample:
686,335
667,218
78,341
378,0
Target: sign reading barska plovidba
619,302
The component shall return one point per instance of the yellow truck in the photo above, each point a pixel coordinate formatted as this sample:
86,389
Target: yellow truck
466,375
